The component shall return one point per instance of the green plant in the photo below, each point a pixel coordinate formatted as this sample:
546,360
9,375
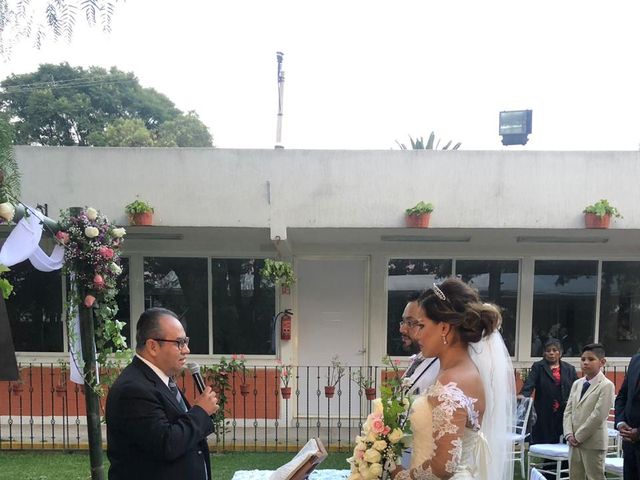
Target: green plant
363,380
5,286
285,372
220,377
419,144
278,272
421,208
138,206
602,208
336,371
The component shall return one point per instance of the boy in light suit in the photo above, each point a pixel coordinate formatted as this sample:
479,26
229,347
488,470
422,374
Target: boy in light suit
585,417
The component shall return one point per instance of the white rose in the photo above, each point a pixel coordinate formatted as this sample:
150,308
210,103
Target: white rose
371,437
118,232
379,445
355,476
7,211
363,470
360,445
91,232
395,436
377,406
375,470
115,268
91,213
372,456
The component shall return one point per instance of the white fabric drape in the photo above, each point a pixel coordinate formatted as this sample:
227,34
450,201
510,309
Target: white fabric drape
22,244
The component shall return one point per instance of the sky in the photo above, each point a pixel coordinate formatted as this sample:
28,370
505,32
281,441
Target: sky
362,74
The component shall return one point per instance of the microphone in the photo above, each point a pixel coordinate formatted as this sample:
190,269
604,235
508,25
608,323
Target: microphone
194,368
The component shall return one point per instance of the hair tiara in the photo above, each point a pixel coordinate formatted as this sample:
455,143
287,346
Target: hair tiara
439,293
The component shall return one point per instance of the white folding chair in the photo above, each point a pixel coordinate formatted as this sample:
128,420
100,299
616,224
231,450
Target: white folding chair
519,435
536,475
549,458
613,466
614,448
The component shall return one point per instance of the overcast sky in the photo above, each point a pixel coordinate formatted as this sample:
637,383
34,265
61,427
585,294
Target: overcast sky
360,74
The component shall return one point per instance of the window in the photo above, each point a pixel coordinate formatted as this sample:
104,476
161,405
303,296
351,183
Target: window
35,309
620,308
497,282
405,277
180,284
243,307
564,304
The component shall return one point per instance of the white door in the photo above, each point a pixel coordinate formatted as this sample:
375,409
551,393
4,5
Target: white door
332,308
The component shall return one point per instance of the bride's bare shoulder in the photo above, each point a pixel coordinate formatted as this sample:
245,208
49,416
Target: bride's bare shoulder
466,379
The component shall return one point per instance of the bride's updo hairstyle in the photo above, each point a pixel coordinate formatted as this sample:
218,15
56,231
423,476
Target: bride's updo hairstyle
456,303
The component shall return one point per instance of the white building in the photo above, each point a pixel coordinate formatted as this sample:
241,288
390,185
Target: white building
510,222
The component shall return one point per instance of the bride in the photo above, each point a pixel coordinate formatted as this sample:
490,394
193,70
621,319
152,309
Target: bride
462,425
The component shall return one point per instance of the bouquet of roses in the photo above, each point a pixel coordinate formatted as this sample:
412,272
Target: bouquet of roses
385,432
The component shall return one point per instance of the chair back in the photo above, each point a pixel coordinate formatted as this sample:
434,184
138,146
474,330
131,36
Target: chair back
523,411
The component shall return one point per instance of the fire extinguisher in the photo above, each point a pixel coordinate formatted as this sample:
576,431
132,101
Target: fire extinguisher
285,324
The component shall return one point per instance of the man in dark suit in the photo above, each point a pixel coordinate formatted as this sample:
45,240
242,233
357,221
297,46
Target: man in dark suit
152,432
627,407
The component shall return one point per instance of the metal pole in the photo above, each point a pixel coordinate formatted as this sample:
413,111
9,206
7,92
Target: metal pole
279,56
87,337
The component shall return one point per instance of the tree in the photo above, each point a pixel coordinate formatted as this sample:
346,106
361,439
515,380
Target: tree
184,131
123,132
418,144
22,19
64,105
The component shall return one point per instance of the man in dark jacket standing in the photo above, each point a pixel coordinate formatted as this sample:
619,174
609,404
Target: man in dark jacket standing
152,432
627,407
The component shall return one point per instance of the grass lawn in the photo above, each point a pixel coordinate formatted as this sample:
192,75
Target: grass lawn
75,466
34,465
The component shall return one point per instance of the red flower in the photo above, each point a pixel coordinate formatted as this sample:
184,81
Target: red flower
98,281
63,237
106,252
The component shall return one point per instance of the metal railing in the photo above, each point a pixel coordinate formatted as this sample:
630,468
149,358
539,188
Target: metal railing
46,410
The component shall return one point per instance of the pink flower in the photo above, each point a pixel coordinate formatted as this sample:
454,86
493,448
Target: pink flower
63,237
106,252
377,425
360,454
89,300
98,281
386,430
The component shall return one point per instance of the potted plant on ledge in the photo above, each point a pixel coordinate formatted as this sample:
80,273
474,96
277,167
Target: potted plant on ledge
140,212
599,214
419,216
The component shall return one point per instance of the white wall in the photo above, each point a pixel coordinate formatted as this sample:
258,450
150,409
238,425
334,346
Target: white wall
295,188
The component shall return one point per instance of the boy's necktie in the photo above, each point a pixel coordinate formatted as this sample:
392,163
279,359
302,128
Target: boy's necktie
585,387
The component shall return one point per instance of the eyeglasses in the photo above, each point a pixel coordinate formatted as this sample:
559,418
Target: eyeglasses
410,323
180,342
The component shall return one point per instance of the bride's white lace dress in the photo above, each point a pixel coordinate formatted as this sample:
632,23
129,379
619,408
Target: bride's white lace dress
447,441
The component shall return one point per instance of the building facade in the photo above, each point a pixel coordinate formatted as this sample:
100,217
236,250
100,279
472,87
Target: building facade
510,223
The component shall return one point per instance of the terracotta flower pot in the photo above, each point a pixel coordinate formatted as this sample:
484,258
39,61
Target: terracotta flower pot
418,221
591,220
286,392
145,218
244,390
329,391
370,393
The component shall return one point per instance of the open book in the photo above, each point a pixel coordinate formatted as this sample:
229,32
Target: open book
305,462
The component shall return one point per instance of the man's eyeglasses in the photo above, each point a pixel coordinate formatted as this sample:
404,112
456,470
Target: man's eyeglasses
181,342
409,323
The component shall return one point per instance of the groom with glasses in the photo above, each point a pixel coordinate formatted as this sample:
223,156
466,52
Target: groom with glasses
422,372
152,431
